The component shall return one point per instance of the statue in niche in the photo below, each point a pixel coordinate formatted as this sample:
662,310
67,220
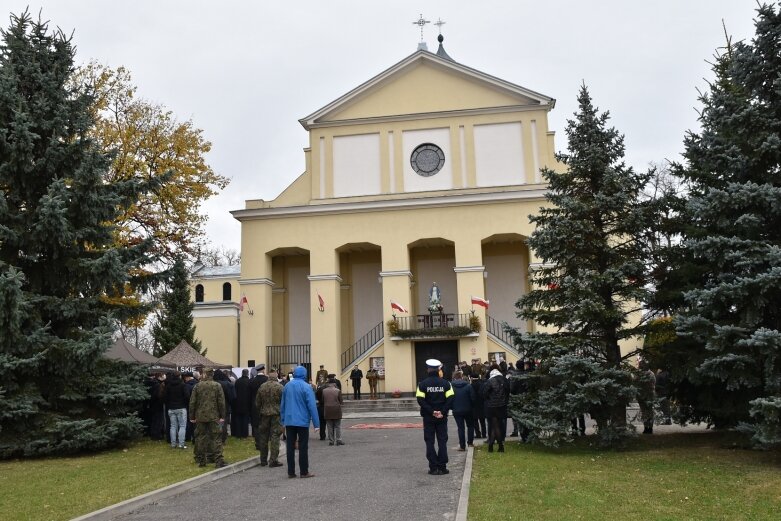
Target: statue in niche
434,299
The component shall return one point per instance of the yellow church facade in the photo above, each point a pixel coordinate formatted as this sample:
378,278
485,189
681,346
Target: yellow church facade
424,175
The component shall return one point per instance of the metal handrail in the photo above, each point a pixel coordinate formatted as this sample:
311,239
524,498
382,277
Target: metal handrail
355,351
501,330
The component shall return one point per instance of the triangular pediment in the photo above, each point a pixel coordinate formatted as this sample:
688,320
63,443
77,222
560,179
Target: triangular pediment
424,83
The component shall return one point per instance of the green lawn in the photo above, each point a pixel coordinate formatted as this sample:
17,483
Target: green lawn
700,476
671,477
63,488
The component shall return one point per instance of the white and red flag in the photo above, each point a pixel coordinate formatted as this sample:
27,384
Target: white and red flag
243,302
477,301
398,307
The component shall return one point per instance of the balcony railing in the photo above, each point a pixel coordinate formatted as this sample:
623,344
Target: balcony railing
366,342
285,357
434,325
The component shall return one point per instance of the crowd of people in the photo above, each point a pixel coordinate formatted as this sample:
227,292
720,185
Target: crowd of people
206,408
185,407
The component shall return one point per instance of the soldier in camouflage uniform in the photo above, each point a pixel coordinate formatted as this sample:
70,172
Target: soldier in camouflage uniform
373,376
267,403
207,412
322,376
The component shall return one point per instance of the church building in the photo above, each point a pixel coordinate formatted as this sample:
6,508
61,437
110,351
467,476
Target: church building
404,238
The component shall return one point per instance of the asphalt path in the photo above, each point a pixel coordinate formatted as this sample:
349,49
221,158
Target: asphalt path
379,474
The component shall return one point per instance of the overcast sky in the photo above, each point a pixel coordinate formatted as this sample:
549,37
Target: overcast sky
246,72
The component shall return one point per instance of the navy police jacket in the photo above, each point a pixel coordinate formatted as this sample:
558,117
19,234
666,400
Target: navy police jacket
435,394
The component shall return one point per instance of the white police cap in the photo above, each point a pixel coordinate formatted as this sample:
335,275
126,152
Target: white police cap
433,363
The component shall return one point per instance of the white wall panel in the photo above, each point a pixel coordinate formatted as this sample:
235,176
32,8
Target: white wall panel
499,155
357,165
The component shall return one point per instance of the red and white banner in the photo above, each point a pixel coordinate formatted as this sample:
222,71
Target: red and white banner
477,301
243,302
398,307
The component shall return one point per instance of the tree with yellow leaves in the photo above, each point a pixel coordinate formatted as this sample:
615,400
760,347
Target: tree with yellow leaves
147,142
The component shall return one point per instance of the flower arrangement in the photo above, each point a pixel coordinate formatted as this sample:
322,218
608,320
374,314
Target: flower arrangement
474,323
393,327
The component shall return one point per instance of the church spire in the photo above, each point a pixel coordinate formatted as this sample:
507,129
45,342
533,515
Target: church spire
441,50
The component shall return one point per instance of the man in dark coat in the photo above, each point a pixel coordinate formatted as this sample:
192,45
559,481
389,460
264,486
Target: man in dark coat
435,397
478,411
230,397
156,407
320,411
254,384
176,396
243,405
356,375
189,383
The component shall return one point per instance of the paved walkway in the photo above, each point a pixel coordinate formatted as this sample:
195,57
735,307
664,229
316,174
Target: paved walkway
378,474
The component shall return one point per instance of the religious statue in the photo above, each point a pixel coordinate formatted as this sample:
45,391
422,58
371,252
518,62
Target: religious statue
434,299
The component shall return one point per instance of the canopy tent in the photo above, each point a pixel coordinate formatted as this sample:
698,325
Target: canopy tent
126,352
186,358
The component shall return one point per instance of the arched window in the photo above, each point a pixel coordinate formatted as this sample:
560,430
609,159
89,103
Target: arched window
226,291
199,293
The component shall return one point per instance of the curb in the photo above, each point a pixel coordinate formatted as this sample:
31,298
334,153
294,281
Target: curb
466,480
132,504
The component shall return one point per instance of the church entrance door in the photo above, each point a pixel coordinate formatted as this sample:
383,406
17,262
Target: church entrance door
446,351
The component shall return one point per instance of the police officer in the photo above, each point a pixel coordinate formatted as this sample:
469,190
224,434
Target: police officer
435,397
207,412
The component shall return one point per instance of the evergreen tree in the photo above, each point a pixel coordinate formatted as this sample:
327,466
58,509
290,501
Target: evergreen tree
734,168
591,245
57,393
176,321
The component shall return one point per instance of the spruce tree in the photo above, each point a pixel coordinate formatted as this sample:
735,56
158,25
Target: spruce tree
734,168
57,266
176,318
586,292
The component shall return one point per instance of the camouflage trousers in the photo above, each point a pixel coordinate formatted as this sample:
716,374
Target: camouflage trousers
207,443
269,431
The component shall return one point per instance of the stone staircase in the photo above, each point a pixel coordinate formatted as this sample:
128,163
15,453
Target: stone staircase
381,405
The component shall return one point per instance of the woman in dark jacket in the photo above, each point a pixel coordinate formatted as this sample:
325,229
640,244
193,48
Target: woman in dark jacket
463,404
496,393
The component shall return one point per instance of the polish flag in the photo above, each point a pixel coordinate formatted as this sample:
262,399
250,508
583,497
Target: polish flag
480,302
243,302
398,307
321,301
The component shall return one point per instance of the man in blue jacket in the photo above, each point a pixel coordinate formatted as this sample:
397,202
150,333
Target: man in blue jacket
297,410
